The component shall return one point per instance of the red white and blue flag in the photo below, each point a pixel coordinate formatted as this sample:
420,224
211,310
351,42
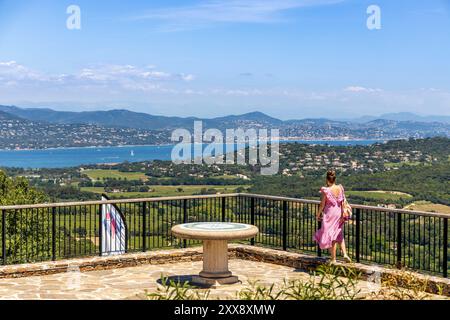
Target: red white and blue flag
113,230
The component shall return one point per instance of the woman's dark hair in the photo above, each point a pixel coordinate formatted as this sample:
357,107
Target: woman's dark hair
331,176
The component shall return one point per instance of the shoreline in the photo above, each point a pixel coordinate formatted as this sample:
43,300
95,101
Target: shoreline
283,139
90,147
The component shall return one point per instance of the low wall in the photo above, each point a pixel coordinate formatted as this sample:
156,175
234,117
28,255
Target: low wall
291,259
101,263
367,272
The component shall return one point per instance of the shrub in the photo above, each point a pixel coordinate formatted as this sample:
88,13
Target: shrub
170,289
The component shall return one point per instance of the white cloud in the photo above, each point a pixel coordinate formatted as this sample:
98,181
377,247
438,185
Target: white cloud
361,89
187,77
127,77
13,71
210,12
128,72
149,85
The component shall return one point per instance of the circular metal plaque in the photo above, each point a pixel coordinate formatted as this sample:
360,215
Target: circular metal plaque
215,226
214,230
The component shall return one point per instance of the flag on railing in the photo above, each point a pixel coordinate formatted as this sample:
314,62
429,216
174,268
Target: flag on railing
113,230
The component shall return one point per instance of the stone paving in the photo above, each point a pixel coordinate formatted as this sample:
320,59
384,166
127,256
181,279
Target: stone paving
132,282
130,276
128,283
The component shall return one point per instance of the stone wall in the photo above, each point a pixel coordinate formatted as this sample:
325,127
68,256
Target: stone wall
101,263
367,272
291,259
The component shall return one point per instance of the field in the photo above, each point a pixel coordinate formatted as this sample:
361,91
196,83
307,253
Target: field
400,164
226,177
428,206
165,191
379,195
114,174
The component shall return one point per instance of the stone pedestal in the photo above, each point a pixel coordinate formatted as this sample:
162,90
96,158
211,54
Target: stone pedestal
215,236
215,265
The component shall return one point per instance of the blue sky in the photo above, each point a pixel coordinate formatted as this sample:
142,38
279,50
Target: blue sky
288,58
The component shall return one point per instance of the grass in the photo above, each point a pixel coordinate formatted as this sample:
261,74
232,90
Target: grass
100,174
175,290
326,283
428,206
165,191
401,164
404,286
226,177
379,195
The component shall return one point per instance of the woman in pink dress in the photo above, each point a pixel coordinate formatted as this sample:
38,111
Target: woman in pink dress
330,213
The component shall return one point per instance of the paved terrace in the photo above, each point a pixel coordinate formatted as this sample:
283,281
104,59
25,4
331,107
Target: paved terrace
414,239
130,276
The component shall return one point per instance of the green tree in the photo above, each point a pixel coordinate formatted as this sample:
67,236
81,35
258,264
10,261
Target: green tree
27,231
16,191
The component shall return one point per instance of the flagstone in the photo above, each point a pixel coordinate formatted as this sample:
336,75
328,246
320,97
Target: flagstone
136,274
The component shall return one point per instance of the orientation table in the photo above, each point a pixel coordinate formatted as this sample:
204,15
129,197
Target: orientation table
215,237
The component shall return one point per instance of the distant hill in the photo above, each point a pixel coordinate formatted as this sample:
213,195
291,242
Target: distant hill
111,118
8,116
407,116
252,116
19,133
321,128
318,122
252,119
403,116
137,120
131,119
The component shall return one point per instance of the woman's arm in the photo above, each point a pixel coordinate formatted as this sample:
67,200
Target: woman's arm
321,206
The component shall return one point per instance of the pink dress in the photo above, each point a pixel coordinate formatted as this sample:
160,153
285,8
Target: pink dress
332,226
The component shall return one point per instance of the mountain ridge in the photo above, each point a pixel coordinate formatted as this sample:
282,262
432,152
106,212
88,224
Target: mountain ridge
404,116
123,127
131,119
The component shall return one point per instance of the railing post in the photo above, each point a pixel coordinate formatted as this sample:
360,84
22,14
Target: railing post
238,207
53,233
100,235
284,225
252,217
4,236
445,255
144,227
358,234
223,209
399,240
185,219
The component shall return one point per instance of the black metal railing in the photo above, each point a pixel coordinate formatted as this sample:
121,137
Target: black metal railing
41,232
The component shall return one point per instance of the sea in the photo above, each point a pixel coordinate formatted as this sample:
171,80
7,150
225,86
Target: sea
73,157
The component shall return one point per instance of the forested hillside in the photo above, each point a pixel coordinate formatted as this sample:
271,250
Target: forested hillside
431,183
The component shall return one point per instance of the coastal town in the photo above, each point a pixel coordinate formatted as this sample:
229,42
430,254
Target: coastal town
299,175
297,159
20,134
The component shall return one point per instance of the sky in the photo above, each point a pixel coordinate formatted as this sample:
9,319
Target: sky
291,59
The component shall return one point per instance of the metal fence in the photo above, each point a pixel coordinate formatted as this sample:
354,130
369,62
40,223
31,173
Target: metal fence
42,232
